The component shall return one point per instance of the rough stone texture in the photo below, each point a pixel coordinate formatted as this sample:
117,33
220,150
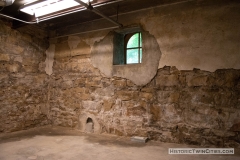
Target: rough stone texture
181,106
23,93
194,107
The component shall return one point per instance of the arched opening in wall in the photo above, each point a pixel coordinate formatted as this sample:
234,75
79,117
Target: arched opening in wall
89,125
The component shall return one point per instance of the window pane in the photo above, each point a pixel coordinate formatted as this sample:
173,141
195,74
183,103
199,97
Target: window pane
133,41
132,56
140,39
141,55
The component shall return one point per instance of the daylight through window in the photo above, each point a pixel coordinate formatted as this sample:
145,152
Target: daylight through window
133,50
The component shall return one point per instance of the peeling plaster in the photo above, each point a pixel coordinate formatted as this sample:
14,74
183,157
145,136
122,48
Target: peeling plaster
49,59
73,42
94,37
140,74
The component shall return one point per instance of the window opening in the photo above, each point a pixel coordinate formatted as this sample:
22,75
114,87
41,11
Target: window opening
133,48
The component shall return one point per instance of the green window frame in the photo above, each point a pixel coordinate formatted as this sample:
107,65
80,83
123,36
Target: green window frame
133,48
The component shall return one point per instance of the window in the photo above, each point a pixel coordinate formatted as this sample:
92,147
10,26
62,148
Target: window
127,46
133,48
41,8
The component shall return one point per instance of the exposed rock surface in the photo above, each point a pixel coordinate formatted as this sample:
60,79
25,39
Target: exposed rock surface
23,93
194,107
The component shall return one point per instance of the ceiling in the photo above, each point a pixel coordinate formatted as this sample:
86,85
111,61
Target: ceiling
107,7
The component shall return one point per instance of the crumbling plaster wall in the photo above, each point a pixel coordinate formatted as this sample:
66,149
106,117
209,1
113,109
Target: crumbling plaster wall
23,82
180,104
196,34
140,74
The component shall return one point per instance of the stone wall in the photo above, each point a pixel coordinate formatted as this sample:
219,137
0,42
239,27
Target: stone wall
23,82
194,107
181,106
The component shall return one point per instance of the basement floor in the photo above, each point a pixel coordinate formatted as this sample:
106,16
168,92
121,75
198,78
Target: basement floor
58,143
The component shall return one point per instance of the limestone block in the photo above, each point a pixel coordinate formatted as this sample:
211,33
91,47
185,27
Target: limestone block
79,82
120,83
28,61
67,84
18,59
205,98
235,127
148,90
31,68
93,82
196,80
3,66
156,112
207,111
4,57
92,106
106,91
227,78
128,104
3,76
108,104
168,97
124,95
14,49
130,83
167,80
146,96
226,98
136,111
86,96
171,113
200,120
164,71
13,68
77,90
40,80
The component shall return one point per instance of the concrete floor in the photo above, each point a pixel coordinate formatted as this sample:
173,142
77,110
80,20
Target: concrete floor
57,143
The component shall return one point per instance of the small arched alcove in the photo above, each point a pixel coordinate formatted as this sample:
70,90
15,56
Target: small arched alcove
89,125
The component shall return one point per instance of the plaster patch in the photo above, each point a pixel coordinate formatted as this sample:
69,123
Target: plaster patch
91,38
18,59
73,41
140,74
49,59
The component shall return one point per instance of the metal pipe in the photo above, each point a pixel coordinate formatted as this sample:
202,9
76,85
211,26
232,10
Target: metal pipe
18,19
90,7
96,30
